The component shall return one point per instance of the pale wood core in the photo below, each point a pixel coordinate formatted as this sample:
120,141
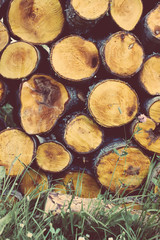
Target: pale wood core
16,151
75,58
52,157
153,21
126,13
82,134
148,137
4,36
113,103
35,21
18,60
150,75
43,100
123,54
90,10
118,173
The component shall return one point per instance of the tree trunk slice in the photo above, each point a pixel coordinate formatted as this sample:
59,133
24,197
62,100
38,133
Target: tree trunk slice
80,183
152,107
150,75
29,20
17,150
84,15
3,92
113,103
4,39
82,134
122,54
126,13
152,25
43,101
148,134
121,168
18,60
74,58
53,157
33,181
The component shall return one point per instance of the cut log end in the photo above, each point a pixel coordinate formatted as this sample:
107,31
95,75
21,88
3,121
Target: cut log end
43,101
79,62
33,181
147,134
113,103
17,151
123,170
4,36
18,60
30,19
123,54
82,134
150,75
53,157
81,184
126,13
90,10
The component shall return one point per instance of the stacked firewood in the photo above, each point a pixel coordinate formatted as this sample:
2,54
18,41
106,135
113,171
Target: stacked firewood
83,78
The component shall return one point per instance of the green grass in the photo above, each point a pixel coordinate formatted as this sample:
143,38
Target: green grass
25,218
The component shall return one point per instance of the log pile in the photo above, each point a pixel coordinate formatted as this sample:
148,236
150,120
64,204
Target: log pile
83,78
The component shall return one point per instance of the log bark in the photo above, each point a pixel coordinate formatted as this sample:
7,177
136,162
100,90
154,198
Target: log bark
3,92
152,25
43,101
80,62
33,181
18,60
146,134
126,13
122,54
17,151
4,39
82,16
113,103
149,77
82,134
81,183
53,157
29,20
120,167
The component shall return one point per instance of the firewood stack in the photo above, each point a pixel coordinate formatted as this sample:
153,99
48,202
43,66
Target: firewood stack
83,78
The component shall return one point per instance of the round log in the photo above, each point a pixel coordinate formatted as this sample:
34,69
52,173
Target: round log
126,13
4,36
18,60
120,167
150,74
53,157
81,134
147,133
74,58
122,54
152,107
43,101
152,25
81,184
17,151
3,92
82,16
113,103
33,181
35,21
